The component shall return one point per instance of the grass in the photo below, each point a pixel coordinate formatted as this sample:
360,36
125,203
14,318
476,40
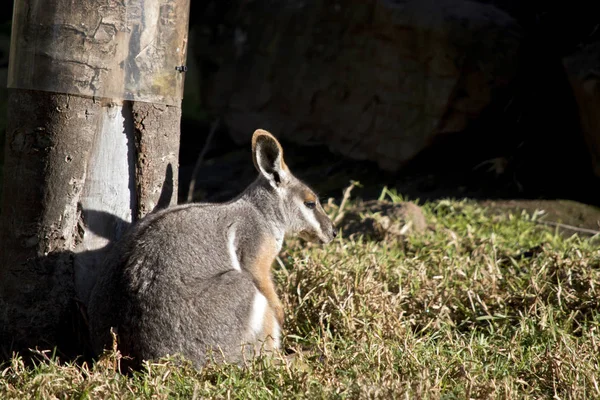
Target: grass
479,306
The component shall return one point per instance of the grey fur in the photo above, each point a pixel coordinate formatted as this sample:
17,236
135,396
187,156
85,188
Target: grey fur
169,285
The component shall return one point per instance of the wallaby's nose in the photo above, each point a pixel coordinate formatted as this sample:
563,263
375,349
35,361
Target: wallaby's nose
334,231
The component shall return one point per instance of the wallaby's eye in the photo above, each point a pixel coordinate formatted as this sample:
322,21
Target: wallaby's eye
310,204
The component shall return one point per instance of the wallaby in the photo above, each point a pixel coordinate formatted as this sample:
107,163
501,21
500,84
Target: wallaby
195,279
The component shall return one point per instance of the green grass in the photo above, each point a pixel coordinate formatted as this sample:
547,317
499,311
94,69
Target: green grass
479,306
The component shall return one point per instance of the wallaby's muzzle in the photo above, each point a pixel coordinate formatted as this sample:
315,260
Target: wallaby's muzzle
324,235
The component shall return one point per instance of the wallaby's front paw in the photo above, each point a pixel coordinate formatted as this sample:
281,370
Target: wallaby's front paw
279,314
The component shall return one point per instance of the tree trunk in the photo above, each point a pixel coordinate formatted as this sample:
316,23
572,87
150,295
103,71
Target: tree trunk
92,144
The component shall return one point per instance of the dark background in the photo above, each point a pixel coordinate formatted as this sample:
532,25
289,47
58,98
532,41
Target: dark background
530,135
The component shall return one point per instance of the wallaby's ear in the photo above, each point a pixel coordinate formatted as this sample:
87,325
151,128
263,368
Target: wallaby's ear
267,155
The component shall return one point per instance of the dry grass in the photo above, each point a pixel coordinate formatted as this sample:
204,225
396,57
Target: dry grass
478,306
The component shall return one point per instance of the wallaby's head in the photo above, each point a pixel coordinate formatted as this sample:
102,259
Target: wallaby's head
302,210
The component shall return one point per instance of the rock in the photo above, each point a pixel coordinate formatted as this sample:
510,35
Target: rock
4,52
382,220
373,80
583,71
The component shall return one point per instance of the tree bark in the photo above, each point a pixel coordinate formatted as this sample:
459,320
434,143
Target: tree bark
79,169
65,200
48,142
154,126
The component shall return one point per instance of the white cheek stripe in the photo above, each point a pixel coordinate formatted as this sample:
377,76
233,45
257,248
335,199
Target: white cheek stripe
259,307
231,247
309,215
